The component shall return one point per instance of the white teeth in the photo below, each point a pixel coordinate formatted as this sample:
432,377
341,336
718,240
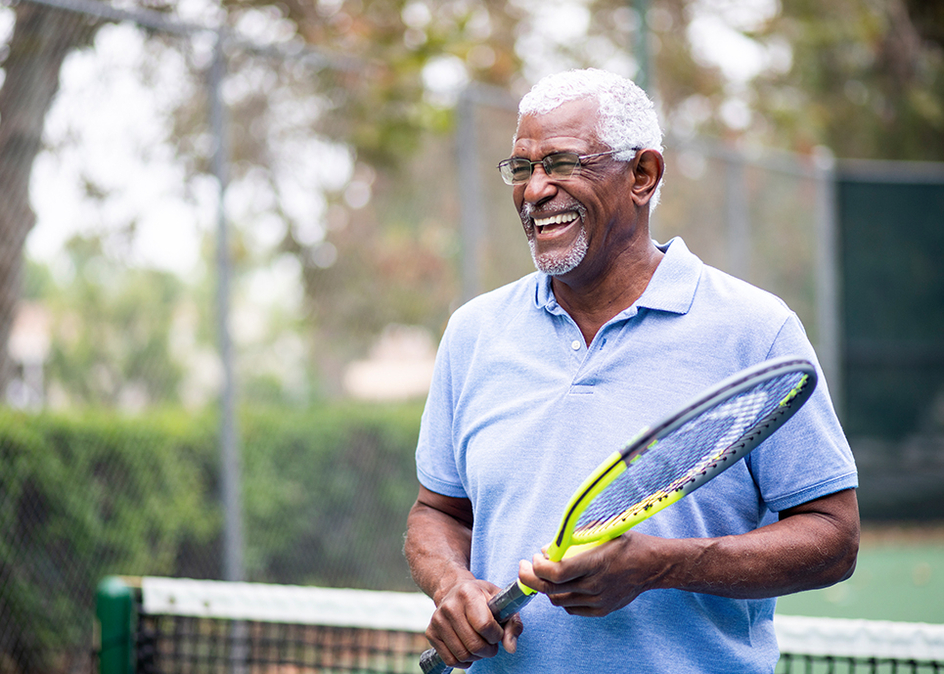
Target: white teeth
555,219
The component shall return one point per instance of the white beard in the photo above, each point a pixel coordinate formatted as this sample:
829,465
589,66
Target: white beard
557,264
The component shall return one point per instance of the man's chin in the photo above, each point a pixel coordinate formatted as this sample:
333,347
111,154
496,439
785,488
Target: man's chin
556,265
560,262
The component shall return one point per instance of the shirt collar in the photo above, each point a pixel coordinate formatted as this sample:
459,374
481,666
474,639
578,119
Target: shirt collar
672,287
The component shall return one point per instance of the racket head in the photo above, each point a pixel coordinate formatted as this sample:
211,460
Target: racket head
664,463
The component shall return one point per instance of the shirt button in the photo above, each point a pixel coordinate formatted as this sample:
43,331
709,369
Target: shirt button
575,345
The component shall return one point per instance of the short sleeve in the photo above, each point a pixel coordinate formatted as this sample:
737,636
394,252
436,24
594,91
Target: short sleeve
436,467
809,457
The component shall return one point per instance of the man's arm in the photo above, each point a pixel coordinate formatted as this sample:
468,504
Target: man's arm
812,545
438,548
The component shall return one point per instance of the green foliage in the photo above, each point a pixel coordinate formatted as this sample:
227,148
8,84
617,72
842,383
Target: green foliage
38,282
866,80
83,496
325,494
111,338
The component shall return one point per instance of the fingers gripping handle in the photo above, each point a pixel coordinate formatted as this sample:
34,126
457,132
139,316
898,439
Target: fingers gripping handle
503,605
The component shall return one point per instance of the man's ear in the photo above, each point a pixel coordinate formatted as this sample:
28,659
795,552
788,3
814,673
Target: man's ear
648,168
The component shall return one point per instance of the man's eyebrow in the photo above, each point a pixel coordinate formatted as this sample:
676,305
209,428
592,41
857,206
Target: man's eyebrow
517,152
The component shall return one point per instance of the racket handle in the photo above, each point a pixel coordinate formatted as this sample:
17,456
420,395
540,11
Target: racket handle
431,663
503,605
510,600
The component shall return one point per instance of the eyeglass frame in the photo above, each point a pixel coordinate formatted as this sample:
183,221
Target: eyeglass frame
543,162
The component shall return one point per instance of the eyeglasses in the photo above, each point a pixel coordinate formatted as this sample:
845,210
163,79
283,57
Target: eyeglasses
517,170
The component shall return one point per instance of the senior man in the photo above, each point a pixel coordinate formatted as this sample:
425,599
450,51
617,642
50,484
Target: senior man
538,381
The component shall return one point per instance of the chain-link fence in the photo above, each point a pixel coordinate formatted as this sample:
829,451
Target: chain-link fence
196,271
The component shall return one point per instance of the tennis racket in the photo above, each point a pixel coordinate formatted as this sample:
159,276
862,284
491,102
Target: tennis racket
665,462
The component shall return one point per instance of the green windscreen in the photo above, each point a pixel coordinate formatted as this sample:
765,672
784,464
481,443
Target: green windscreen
892,261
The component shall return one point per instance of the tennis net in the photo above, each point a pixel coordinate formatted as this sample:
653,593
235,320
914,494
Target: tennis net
835,646
167,625
164,625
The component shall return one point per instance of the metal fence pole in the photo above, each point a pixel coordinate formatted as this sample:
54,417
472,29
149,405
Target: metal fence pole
229,450
470,196
643,52
829,331
738,218
471,193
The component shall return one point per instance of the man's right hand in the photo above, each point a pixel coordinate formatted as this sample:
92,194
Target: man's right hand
463,629
438,547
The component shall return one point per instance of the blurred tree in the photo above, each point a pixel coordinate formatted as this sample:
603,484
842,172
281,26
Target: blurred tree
41,39
866,79
370,98
928,17
861,77
378,247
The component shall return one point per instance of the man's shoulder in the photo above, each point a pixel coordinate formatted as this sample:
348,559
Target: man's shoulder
724,291
497,306
491,322
684,282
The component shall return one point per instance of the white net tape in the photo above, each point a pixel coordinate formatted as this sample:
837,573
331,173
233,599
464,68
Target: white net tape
290,604
860,638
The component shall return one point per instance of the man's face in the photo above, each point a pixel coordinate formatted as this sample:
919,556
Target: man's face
571,222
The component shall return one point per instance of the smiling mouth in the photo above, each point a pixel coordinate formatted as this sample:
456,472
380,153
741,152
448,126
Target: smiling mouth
559,219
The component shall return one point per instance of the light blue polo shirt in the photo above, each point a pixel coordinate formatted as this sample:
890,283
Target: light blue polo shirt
521,410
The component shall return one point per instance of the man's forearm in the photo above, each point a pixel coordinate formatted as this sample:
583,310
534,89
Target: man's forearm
813,545
808,548
437,548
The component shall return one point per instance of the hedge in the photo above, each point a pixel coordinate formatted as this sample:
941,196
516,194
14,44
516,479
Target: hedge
86,494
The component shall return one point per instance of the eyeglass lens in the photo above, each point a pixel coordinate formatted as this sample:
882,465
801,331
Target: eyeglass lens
559,165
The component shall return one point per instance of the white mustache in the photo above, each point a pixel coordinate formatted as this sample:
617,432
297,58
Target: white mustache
525,212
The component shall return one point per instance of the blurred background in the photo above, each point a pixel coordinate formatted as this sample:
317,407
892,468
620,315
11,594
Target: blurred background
231,233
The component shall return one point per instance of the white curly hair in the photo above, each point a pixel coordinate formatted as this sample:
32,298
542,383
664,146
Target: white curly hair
627,115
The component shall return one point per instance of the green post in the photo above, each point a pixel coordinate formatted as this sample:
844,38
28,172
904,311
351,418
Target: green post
644,77
113,605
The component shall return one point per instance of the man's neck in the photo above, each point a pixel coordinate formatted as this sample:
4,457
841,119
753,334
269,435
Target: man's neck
593,302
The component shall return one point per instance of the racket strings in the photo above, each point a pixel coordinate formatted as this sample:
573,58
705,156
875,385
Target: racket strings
678,459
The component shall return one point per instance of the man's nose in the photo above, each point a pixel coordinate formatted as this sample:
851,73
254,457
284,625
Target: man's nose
540,185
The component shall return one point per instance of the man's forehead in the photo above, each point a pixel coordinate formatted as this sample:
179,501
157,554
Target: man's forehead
571,119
